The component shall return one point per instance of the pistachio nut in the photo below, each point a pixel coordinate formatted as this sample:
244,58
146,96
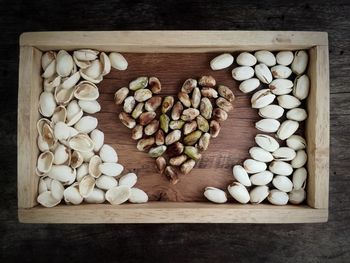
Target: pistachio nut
214,128
177,110
172,137
164,122
296,142
209,92
175,149
281,72
129,104
167,103
192,152
246,59
153,103
142,95
204,141
297,196
219,114
127,120
242,73
224,104
176,125
277,197
241,175
288,101
155,85
192,138
157,151
267,125
206,108
299,178
196,97
271,111
145,144
249,85
152,127
159,137
189,85
284,58
287,129
137,132
297,114
190,127
253,166
215,195
139,83
262,178
267,142
222,61
258,194
146,117
281,86
263,73
160,164
300,61
184,98
265,57
281,168
300,159
226,93
202,123
137,110
171,173
262,98
187,166
178,160
239,192
301,87
282,183
206,81
189,114
284,154
259,154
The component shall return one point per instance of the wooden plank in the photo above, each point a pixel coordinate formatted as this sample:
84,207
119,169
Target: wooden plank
174,41
29,87
166,212
317,128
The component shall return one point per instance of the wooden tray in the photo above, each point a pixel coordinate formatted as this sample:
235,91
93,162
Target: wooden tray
173,57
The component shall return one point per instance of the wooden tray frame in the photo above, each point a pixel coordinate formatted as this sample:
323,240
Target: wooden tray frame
317,126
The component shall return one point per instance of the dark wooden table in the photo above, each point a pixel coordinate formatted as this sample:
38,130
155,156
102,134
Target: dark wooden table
178,242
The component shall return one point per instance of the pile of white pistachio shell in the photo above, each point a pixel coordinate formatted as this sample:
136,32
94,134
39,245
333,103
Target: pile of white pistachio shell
275,171
75,164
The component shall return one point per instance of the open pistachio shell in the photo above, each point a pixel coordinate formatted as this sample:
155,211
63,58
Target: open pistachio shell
118,194
72,196
47,58
62,173
94,163
45,161
46,199
81,142
86,185
86,90
61,154
93,72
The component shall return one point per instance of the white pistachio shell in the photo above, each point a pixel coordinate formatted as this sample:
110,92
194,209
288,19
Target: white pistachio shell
277,197
47,58
301,87
296,142
118,61
258,194
62,173
108,154
64,64
86,124
267,142
59,115
281,86
118,195
281,168
288,101
48,182
106,63
281,72
287,129
242,73
61,155
50,70
215,195
74,113
81,143
259,154
266,57
47,104
284,58
97,196
42,187
284,154
262,98
300,159
263,73
222,61
249,85
267,125
87,155
42,144
94,163
86,185
297,114
61,131
262,178
51,83
76,159
86,90
299,178
85,54
297,196
282,183
72,196
299,63
239,192
63,96
128,179
82,171
47,200
241,175
271,111
111,169
253,166
93,73
105,182
90,107
246,59
98,138
57,190
44,162
138,196
71,81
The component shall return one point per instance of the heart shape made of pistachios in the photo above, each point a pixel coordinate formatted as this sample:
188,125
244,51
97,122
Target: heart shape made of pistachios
175,131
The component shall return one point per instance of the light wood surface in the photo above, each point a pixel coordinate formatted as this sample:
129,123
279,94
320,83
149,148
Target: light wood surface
29,88
174,41
317,128
167,212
